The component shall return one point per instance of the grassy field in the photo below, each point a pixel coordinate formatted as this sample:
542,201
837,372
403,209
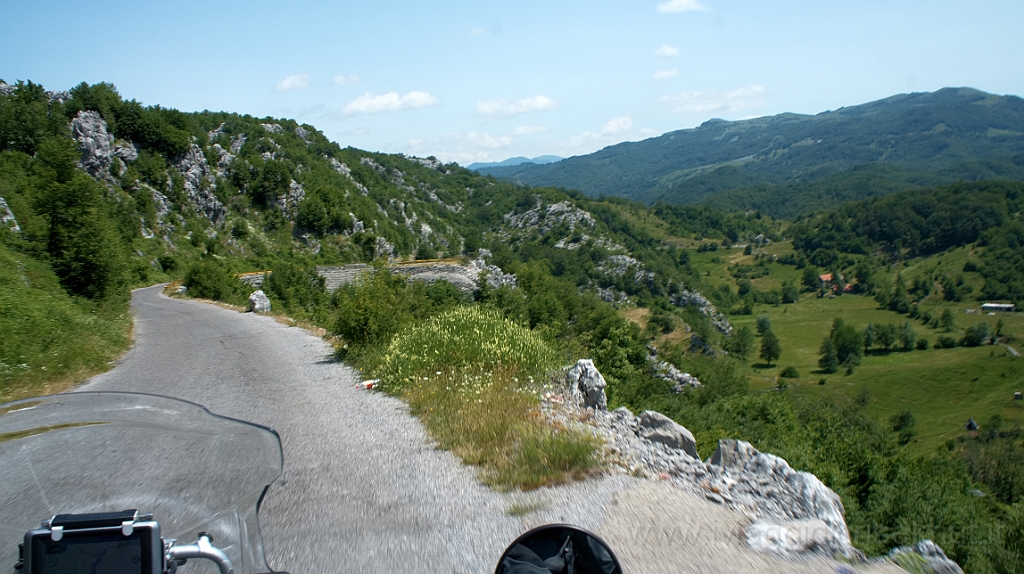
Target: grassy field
941,387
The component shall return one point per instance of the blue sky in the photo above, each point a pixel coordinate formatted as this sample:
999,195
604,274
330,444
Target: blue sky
485,80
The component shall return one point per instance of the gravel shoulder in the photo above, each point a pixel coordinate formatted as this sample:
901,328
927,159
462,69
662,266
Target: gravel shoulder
364,489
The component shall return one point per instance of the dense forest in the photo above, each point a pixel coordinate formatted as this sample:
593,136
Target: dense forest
200,197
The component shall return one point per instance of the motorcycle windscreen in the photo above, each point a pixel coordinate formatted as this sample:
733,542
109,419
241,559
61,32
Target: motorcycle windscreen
105,452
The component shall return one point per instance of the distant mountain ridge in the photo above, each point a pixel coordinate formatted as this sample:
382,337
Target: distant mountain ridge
519,160
899,142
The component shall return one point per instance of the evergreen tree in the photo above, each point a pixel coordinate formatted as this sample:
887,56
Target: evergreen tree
869,337
828,360
946,320
741,342
907,336
790,293
770,347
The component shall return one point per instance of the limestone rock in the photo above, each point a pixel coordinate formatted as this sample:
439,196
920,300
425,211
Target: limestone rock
657,427
587,385
126,151
7,217
199,183
357,225
780,495
258,302
90,131
934,557
495,277
695,299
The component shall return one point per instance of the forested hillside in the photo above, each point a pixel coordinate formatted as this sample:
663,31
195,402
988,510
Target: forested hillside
101,193
790,164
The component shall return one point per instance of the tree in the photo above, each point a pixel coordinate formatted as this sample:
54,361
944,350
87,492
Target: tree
885,335
790,293
869,336
741,342
770,347
828,360
907,336
87,254
809,278
976,334
848,341
764,324
946,320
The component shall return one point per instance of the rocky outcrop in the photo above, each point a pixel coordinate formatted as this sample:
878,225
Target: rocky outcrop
90,131
925,556
493,274
199,183
792,512
258,302
656,427
620,265
544,218
586,385
786,501
7,219
668,372
707,308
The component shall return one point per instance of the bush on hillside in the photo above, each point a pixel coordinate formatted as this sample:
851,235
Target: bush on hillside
208,279
464,338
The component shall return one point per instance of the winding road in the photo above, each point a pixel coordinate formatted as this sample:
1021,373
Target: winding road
364,491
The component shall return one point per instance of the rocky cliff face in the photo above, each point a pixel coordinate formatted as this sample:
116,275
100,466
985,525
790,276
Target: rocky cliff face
791,512
199,182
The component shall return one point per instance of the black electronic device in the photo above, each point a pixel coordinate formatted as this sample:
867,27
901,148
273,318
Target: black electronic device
110,542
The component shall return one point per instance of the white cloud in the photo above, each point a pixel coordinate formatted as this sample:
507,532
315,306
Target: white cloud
618,125
680,6
666,74
667,51
707,102
527,130
473,32
293,82
346,79
389,102
469,147
504,108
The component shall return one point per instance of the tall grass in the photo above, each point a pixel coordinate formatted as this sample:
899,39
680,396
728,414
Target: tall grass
471,376
49,340
463,338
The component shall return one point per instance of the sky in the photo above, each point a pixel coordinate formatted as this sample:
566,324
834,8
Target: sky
482,80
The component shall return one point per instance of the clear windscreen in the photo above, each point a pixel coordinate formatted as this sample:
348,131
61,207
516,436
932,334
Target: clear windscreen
105,452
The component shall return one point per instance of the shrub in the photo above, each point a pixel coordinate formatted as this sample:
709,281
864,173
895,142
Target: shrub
462,338
377,306
945,342
790,372
208,279
976,334
295,288
922,344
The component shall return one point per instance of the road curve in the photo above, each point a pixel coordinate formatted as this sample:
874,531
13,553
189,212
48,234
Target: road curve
362,490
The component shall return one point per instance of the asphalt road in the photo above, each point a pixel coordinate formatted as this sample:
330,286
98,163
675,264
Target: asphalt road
362,489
